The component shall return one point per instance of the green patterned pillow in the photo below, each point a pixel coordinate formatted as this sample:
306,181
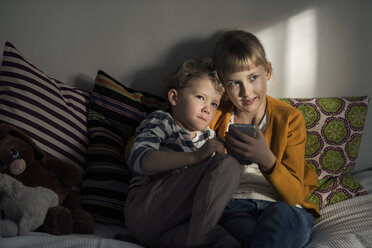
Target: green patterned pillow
334,132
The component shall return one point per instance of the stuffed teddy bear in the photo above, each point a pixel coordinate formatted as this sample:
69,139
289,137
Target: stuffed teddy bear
22,209
22,159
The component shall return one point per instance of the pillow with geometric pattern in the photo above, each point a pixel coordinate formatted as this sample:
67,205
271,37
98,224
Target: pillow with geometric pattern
334,132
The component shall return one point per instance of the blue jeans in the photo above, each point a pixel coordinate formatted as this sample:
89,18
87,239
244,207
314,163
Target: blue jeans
257,223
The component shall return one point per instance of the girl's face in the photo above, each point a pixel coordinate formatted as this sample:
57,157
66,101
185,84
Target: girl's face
247,91
194,107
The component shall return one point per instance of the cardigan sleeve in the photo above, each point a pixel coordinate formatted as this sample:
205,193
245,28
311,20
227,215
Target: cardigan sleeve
291,177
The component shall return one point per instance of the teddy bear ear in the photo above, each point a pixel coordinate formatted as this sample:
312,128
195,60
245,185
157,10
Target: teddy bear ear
6,129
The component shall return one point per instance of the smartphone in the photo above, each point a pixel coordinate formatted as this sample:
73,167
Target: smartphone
248,129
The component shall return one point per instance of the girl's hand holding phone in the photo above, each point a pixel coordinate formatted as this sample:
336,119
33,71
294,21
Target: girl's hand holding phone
254,149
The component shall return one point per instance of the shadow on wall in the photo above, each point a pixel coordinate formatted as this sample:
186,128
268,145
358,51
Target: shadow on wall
280,19
83,81
301,41
151,78
154,77
291,45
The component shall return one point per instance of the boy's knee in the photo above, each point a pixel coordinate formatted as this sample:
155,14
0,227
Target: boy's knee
227,166
225,161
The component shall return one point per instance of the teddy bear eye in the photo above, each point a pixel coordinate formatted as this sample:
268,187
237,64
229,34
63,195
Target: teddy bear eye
14,153
2,164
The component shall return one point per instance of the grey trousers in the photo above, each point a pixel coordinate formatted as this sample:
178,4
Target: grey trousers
183,209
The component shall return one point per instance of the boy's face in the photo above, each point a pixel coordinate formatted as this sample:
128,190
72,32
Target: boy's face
194,107
247,89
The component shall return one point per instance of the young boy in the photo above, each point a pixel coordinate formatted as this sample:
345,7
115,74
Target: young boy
177,196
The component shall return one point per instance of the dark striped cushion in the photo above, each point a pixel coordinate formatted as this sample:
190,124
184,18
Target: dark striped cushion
49,111
113,114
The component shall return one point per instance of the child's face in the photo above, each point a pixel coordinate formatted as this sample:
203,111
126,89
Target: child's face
194,107
247,89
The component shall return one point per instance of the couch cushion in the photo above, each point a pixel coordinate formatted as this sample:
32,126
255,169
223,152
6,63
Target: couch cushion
114,112
334,129
49,111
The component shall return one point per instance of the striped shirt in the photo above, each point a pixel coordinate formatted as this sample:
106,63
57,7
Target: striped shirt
159,131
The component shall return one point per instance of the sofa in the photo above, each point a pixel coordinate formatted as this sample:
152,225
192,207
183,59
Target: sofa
90,129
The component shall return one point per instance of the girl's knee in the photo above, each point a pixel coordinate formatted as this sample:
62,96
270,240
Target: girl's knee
292,215
282,210
281,207
294,221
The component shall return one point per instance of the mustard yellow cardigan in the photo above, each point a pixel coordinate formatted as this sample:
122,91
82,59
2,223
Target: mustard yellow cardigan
285,134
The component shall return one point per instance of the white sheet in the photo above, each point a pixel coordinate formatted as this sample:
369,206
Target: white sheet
348,223
40,240
344,224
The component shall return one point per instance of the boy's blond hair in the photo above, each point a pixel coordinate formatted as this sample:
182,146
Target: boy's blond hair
236,51
191,69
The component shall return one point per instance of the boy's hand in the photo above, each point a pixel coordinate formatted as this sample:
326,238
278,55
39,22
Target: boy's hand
158,161
249,148
209,147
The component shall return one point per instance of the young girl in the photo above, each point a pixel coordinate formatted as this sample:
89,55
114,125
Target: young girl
183,180
269,208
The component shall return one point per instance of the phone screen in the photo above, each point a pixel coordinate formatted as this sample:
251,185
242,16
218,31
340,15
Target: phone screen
248,129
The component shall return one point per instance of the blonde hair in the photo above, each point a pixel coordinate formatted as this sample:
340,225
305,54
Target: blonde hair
237,50
191,69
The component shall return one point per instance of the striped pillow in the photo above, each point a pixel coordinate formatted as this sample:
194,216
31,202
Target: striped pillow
49,111
114,113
